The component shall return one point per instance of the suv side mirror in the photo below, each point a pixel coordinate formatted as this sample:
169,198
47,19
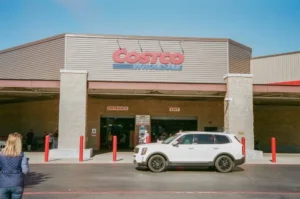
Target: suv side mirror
175,143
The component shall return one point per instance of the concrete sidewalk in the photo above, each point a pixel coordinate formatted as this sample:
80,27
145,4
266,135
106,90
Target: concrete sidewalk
281,158
127,157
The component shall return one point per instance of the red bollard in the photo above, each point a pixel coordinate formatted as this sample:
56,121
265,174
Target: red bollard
148,139
99,141
273,143
81,149
244,146
134,139
46,154
115,148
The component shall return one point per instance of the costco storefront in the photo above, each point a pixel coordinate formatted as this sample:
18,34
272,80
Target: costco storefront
93,85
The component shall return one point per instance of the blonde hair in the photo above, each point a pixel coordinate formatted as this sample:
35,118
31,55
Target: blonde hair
13,146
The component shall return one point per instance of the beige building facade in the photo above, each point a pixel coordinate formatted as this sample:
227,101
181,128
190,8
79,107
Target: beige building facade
92,85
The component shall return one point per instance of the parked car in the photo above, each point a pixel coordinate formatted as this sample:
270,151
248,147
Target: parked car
222,151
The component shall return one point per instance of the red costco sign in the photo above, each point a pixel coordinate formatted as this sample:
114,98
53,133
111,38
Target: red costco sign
147,60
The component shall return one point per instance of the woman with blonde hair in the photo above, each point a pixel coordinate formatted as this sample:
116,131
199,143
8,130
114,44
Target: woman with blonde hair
13,166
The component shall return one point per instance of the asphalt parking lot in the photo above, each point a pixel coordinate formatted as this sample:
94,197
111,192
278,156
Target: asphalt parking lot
124,181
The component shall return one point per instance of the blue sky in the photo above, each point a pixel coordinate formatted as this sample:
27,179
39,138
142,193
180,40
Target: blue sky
267,26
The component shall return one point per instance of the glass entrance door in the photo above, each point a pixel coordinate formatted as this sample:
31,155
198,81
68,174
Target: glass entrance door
123,128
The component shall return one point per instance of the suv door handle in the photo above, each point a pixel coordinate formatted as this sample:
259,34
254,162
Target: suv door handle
191,148
215,147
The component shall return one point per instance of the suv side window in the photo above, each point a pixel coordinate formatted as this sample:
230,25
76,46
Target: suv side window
222,139
204,139
186,139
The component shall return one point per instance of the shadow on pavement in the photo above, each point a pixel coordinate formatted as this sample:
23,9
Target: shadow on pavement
204,169
103,151
34,178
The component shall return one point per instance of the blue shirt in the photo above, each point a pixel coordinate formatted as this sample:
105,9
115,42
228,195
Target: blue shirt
12,170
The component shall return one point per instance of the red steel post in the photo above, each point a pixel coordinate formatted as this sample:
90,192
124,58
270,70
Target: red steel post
244,146
148,139
46,154
115,148
81,149
99,141
134,139
273,143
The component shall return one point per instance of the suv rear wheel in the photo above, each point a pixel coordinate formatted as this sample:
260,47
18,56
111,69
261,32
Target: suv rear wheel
157,163
224,164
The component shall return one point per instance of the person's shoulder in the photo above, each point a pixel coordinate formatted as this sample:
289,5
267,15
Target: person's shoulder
22,154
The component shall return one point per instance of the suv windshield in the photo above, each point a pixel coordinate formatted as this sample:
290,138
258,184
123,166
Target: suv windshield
170,139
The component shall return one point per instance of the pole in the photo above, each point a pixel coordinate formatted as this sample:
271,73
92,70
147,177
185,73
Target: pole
244,146
148,139
134,139
81,149
273,143
99,141
46,154
115,148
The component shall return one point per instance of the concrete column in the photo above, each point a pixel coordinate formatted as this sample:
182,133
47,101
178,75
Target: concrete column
72,113
238,107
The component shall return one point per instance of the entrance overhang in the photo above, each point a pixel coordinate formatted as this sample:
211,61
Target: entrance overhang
29,84
276,92
39,87
16,91
157,89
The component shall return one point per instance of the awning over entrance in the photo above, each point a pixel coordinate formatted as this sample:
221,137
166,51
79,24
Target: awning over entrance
24,90
157,89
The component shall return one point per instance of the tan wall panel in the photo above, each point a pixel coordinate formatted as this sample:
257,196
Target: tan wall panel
276,68
206,111
239,59
279,122
43,116
205,61
10,119
41,61
40,116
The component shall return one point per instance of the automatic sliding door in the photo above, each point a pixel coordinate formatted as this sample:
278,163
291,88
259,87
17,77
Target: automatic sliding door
161,126
122,127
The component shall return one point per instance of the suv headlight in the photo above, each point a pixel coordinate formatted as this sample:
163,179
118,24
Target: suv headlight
144,151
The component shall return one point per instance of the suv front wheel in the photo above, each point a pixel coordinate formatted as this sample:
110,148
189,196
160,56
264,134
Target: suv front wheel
157,163
224,164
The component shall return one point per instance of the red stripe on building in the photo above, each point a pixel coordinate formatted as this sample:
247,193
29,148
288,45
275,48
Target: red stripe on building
288,83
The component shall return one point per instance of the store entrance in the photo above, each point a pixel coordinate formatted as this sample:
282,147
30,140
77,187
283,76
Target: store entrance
171,125
122,127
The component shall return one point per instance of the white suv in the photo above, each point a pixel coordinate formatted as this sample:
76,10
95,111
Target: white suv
222,151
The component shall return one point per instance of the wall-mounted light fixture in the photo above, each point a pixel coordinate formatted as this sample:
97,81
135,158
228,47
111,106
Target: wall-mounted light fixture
228,99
